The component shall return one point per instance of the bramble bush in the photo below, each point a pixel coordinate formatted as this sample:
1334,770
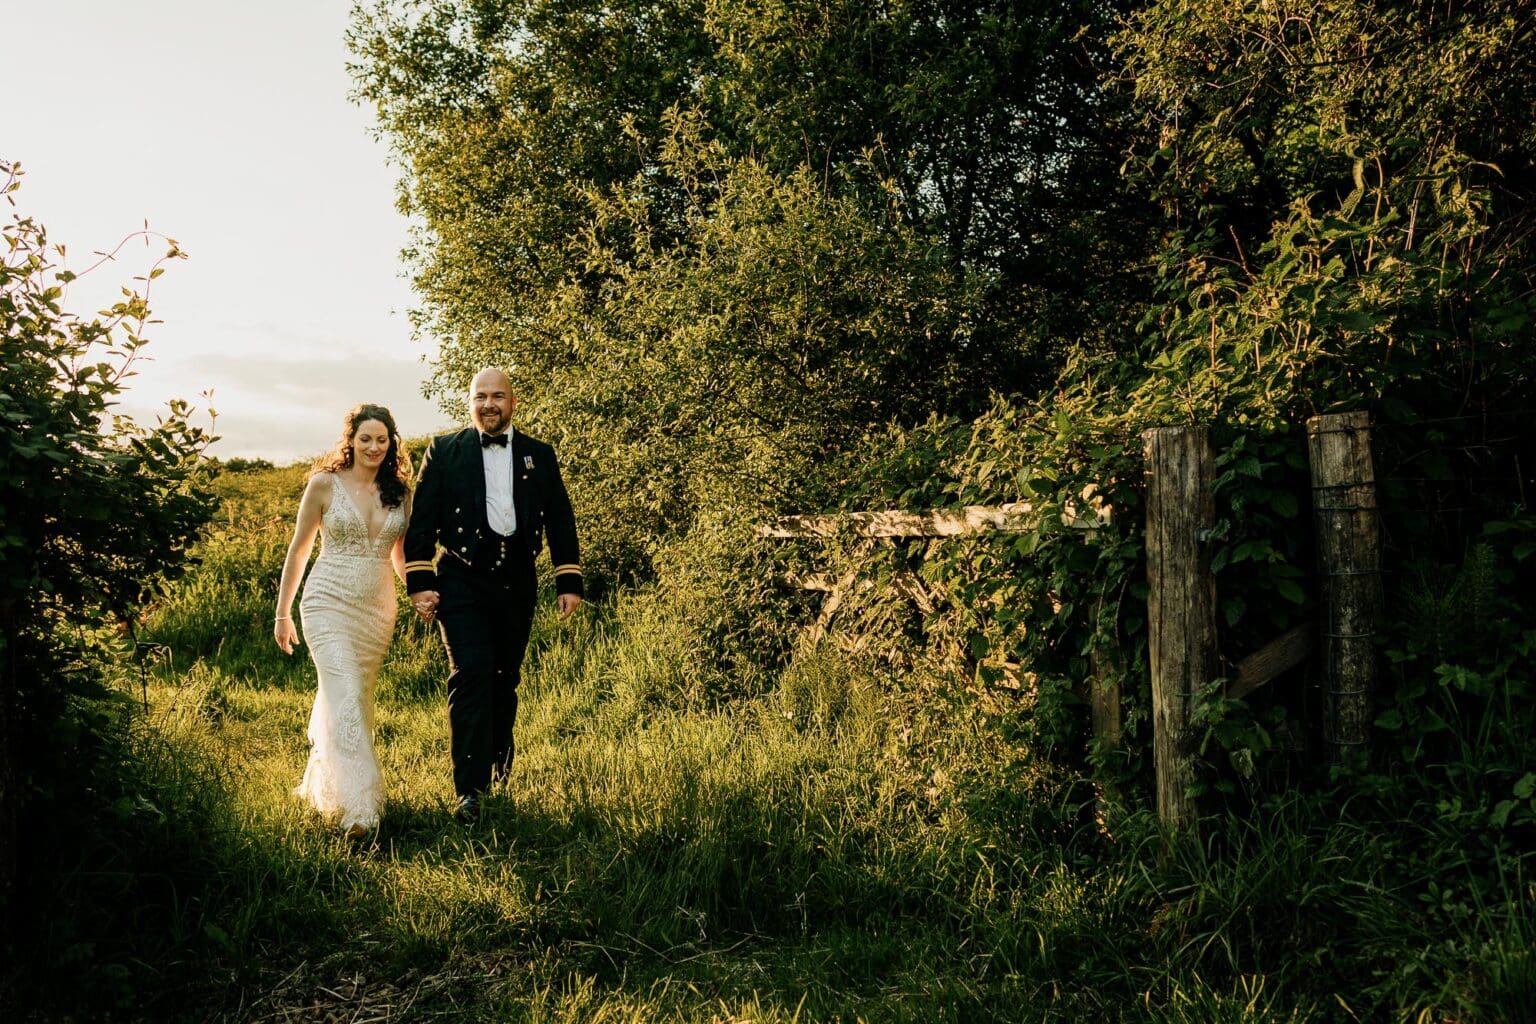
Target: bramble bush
96,517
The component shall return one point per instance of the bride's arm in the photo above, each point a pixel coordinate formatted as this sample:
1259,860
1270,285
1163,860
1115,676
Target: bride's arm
397,550
311,507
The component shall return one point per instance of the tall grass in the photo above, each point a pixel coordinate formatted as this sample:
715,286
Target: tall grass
828,851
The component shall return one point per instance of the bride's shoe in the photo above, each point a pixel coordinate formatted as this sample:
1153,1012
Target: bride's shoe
357,833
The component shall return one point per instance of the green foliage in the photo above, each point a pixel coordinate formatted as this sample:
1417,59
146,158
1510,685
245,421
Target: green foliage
794,257
718,375
1337,185
1459,713
238,464
1339,234
96,518
70,548
712,273
124,849
835,841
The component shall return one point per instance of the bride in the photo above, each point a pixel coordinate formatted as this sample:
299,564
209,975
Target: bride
358,501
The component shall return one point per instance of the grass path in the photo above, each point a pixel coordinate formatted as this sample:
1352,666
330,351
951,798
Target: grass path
644,861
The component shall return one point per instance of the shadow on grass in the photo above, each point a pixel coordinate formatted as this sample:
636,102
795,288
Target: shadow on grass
148,899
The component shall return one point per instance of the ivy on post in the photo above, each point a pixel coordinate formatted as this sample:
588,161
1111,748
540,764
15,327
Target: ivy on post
1181,605
1349,564
1104,704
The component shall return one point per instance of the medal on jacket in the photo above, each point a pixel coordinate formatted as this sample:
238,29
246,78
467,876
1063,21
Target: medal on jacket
527,461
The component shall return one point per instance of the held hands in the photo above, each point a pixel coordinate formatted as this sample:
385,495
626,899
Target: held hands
284,633
425,603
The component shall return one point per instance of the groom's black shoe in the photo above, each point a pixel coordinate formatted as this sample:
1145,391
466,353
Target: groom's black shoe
468,810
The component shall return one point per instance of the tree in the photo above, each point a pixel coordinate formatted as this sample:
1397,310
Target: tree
916,204
1348,196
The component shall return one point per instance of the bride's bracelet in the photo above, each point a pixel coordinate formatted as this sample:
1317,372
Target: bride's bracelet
282,618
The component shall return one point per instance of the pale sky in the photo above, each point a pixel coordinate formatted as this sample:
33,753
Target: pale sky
227,127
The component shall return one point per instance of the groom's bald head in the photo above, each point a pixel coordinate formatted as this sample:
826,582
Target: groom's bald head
491,400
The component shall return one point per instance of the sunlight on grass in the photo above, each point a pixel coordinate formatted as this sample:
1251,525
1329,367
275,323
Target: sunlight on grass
824,850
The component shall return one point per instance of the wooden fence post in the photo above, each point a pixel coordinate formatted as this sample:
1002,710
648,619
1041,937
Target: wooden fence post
1349,561
1181,604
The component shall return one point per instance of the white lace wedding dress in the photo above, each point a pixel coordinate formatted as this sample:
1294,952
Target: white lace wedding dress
348,616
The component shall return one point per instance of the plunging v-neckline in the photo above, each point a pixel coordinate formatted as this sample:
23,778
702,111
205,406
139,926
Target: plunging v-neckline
373,538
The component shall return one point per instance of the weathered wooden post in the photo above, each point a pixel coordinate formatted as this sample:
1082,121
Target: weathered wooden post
1181,604
1349,563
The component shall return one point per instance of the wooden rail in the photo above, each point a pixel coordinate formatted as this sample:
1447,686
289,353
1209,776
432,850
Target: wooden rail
1013,517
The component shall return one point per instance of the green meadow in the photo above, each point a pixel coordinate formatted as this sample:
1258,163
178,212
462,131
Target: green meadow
830,848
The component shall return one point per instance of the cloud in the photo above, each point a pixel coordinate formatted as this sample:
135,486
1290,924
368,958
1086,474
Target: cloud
285,409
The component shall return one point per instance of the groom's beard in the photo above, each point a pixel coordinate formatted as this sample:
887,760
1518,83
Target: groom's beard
490,422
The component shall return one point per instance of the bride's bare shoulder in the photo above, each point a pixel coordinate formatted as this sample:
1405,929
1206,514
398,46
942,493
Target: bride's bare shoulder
319,485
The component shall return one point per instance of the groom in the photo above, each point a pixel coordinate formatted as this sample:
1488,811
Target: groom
485,500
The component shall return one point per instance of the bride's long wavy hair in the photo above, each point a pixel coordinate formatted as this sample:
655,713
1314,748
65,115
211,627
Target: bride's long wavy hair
394,474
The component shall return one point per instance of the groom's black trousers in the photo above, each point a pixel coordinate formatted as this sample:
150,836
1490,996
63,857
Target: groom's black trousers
485,618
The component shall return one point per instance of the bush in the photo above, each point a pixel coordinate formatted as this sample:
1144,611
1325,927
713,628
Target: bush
95,518
240,465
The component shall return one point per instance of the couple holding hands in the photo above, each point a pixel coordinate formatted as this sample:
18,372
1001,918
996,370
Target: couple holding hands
463,542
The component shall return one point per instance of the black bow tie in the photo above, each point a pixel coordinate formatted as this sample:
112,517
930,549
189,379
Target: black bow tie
489,440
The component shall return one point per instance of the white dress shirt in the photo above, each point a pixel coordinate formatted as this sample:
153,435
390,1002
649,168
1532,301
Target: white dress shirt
500,513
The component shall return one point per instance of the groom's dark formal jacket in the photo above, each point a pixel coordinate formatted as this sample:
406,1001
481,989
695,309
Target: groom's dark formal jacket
448,518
